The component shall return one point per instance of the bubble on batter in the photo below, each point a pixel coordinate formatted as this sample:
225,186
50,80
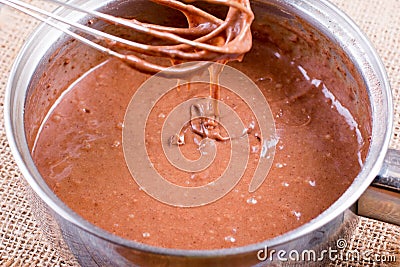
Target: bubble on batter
252,125
261,79
161,115
312,182
116,144
250,128
230,239
146,234
279,165
86,110
251,200
279,113
285,184
297,214
176,140
255,149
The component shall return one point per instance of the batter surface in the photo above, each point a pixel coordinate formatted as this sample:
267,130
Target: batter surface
79,153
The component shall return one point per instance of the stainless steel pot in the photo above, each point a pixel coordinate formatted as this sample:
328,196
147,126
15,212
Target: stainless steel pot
95,247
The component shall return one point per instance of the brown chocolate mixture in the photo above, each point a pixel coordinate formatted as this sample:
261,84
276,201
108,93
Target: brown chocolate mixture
79,153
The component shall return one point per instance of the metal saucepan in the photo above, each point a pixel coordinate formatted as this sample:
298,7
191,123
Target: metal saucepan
93,246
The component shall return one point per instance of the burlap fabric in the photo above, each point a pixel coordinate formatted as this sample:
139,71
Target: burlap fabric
22,243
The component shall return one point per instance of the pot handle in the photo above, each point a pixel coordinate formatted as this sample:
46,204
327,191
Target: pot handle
381,200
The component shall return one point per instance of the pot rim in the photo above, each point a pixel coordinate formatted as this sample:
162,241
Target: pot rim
313,12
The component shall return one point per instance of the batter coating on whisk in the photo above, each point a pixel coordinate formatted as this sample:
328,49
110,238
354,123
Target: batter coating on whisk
207,38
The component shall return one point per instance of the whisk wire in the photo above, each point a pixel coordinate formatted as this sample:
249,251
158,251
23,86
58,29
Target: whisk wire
209,28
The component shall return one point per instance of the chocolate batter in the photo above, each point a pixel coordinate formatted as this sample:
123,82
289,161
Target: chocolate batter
79,153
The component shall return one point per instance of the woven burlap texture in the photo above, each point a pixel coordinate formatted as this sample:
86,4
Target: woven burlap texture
22,243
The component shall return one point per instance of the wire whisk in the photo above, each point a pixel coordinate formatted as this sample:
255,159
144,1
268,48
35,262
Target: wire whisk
207,38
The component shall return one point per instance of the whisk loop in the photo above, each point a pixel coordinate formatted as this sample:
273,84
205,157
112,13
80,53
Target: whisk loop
206,38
